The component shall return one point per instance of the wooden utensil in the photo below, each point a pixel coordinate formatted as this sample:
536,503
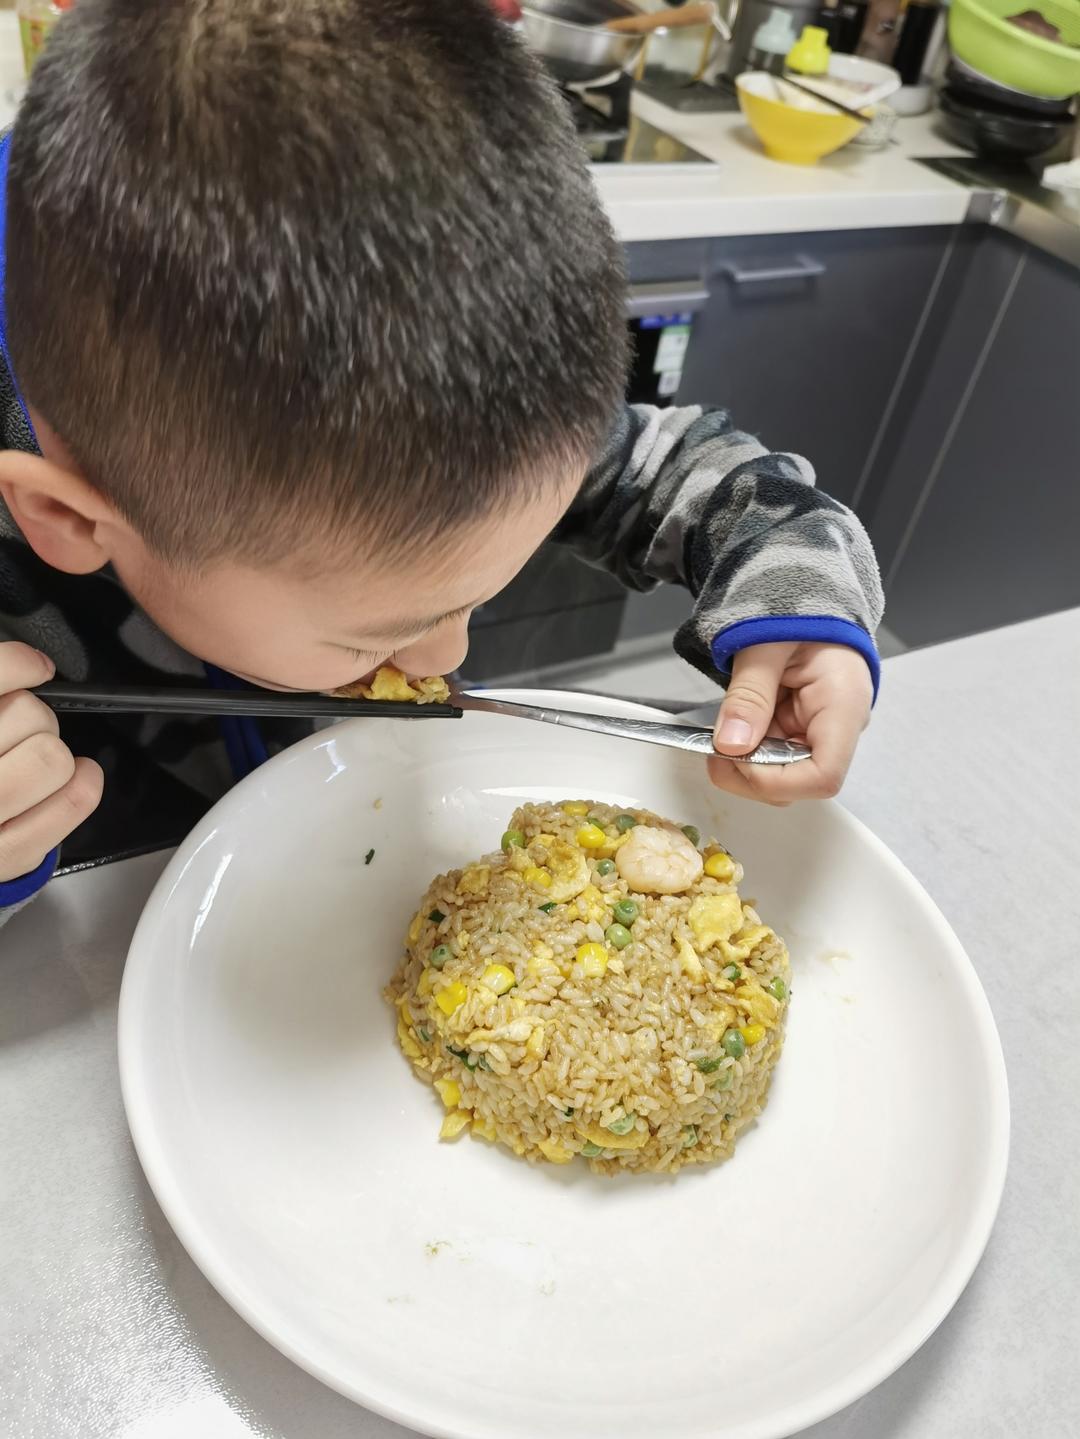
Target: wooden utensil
703,14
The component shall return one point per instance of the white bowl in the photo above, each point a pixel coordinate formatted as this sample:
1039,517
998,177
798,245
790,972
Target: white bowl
461,1291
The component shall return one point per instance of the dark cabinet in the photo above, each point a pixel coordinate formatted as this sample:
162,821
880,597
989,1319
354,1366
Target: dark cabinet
978,511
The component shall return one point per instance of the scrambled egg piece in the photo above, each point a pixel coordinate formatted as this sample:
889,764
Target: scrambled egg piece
715,918
388,683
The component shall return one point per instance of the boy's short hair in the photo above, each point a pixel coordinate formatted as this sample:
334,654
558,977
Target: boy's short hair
285,269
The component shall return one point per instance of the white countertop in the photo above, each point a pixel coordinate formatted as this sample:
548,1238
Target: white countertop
744,194
749,194
967,773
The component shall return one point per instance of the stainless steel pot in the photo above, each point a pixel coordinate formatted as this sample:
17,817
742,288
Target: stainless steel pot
570,38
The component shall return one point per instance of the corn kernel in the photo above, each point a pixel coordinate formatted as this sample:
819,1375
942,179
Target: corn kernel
452,997
454,1123
462,941
554,1151
591,836
498,978
575,807
484,1129
426,982
592,959
536,1043
719,866
539,878
449,1092
415,928
752,1033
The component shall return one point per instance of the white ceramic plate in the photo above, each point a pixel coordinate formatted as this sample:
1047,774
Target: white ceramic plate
465,1293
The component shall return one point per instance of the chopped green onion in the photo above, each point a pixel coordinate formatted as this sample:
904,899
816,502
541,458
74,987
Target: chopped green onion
693,834
569,1113
605,867
618,935
777,988
511,838
734,1044
624,1124
436,916
439,955
732,972
463,1054
625,822
625,911
483,1064
596,820
709,1066
425,1035
369,856
724,1080
589,1150
729,1117
547,908
689,1137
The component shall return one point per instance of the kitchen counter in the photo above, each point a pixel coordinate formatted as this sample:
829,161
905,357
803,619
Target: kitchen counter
112,1333
749,194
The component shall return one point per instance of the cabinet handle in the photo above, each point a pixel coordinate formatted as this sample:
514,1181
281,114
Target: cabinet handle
802,267
665,298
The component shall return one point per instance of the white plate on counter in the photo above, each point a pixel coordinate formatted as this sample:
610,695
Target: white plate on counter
465,1293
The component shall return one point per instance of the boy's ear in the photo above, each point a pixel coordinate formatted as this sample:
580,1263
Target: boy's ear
58,512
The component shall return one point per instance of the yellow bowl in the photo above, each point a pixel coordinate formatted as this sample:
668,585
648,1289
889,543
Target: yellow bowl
790,132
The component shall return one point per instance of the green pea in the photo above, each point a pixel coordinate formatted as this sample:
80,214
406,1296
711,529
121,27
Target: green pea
734,1044
605,867
625,822
547,908
511,838
709,1066
778,989
618,935
724,1080
439,955
625,911
589,1150
689,1137
693,834
732,972
436,916
622,1125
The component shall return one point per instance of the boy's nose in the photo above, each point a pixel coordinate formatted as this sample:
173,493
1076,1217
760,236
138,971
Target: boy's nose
439,653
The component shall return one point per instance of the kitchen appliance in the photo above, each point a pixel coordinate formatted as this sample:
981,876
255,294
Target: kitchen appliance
611,135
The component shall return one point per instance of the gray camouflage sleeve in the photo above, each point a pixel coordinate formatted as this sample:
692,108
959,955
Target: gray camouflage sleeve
681,496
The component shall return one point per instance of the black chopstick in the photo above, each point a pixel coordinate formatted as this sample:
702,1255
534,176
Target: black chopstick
825,99
167,699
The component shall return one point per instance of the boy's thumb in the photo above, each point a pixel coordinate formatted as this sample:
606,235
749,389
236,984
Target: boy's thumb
750,703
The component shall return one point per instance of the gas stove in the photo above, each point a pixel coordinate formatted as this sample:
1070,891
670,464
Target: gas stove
613,135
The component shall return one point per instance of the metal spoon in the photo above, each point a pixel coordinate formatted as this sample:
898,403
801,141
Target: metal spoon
674,736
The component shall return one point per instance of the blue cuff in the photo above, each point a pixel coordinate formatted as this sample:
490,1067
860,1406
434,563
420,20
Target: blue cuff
804,629
17,891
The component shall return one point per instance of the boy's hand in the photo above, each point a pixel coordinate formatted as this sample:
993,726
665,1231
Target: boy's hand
44,791
813,692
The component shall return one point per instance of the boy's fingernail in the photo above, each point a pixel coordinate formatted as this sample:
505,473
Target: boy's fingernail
735,731
48,662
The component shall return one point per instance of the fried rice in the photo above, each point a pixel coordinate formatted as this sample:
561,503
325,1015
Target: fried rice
594,988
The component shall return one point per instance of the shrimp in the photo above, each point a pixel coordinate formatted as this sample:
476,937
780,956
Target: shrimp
659,861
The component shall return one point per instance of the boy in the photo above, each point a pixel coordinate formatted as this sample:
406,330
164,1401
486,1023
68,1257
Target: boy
313,331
